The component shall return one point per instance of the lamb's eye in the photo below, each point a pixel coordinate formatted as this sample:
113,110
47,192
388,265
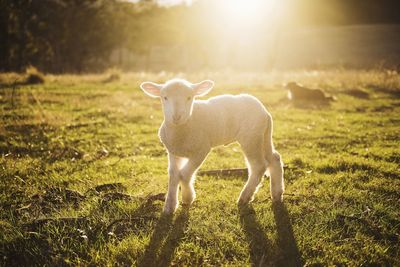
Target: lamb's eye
189,98
165,98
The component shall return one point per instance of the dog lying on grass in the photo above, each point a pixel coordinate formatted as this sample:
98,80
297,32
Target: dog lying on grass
299,94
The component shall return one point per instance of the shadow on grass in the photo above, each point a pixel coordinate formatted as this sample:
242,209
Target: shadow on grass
42,240
262,251
348,166
389,91
260,246
286,240
165,239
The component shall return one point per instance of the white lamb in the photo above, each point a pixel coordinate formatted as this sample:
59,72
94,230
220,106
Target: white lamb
192,127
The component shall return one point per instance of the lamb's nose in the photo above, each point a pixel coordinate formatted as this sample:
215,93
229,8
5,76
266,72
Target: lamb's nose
177,117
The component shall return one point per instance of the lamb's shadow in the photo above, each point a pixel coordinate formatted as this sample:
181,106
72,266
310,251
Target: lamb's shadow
260,246
262,250
166,237
290,254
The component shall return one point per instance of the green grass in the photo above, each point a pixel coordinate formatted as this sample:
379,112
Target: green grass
61,139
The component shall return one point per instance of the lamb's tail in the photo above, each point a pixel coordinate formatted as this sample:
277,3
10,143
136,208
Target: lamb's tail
275,164
269,145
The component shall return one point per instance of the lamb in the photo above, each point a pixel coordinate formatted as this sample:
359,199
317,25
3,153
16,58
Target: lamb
192,127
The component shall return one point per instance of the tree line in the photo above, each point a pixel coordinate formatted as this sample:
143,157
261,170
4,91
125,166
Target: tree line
79,35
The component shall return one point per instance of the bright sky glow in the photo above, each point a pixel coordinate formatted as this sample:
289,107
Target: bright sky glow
247,11
244,21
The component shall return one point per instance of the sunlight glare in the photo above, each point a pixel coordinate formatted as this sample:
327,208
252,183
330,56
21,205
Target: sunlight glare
247,12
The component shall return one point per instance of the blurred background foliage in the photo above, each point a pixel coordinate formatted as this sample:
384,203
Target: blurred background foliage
61,36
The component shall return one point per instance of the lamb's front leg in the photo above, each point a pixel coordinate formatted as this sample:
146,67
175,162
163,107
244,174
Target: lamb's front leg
171,201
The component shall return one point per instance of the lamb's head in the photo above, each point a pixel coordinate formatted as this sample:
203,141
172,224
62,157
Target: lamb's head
177,97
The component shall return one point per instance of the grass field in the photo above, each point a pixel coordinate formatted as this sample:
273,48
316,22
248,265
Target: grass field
82,169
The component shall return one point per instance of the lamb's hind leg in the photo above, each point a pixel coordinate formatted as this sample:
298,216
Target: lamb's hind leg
275,170
275,166
257,167
187,177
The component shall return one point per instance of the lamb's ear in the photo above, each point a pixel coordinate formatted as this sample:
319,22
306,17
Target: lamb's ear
151,89
203,88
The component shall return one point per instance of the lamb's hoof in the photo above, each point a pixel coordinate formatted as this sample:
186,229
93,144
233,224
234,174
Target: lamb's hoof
188,201
277,198
245,198
168,211
243,201
169,208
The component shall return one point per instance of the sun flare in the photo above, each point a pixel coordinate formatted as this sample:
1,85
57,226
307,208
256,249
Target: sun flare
247,12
